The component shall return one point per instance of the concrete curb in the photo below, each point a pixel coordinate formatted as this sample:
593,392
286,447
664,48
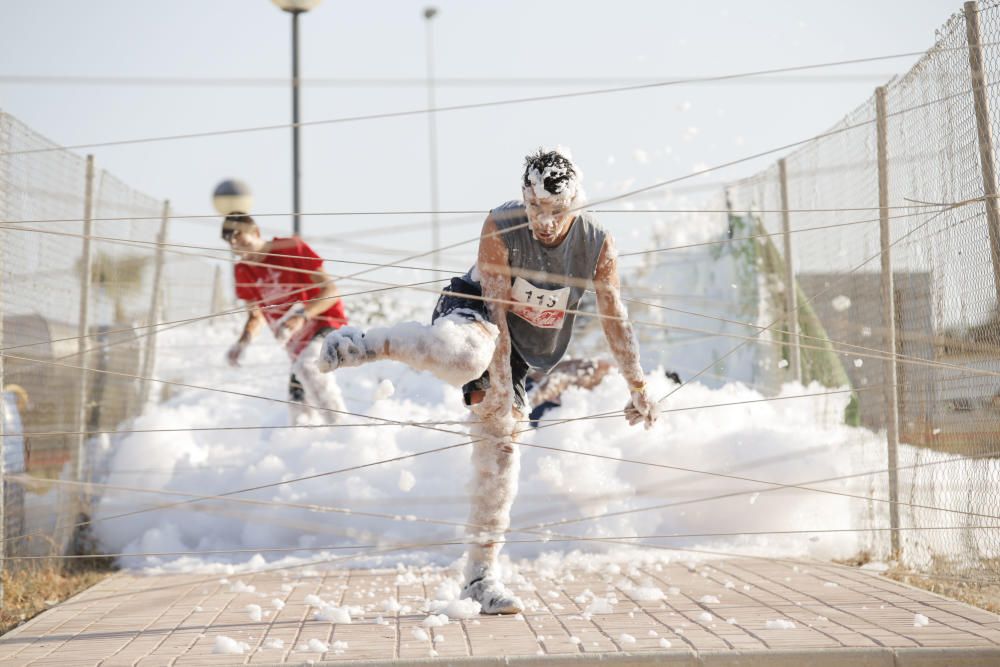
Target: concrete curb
835,657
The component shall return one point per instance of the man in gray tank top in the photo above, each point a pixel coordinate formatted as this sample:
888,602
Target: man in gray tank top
511,313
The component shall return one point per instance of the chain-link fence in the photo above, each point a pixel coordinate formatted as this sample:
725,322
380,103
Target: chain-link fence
823,203
71,299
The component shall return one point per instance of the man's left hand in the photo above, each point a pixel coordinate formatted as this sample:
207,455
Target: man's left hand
291,325
290,322
641,409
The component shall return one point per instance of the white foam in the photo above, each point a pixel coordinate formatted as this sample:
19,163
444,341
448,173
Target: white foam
229,646
800,438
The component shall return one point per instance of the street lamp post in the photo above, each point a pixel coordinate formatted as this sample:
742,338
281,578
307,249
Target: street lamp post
429,14
296,7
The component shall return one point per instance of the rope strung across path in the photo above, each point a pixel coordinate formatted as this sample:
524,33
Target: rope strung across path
478,213
877,354
483,105
292,427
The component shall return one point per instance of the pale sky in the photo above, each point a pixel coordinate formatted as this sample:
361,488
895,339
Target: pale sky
621,140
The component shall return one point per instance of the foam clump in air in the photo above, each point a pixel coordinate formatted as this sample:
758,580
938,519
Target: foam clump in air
384,390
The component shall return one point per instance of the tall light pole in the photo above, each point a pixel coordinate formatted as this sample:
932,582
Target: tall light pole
296,7
429,14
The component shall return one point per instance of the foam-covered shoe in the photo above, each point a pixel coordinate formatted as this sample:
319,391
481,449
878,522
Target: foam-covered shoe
343,348
493,596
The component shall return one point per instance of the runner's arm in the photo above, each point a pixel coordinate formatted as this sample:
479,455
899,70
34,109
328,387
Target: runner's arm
305,310
620,335
327,296
255,320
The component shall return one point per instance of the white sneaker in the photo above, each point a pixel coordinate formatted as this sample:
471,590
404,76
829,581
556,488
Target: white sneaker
343,348
493,596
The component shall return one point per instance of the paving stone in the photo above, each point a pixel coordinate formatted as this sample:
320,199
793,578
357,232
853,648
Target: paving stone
176,619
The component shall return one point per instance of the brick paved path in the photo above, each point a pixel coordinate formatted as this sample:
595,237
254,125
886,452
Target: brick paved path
712,612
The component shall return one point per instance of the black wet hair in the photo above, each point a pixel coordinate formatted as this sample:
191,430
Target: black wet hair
542,160
235,221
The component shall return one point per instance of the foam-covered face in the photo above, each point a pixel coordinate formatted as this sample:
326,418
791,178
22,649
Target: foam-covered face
549,218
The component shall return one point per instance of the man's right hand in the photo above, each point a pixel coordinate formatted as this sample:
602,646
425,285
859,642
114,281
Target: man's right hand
641,409
234,353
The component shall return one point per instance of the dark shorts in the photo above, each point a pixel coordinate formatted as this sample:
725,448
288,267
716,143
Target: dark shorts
296,392
475,310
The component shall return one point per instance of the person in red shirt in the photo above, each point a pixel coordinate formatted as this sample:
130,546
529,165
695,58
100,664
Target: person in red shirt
284,285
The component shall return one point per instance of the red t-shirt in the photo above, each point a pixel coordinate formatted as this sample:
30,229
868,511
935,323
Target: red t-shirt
276,285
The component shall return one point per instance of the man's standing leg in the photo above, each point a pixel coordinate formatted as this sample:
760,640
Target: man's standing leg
319,389
300,413
496,464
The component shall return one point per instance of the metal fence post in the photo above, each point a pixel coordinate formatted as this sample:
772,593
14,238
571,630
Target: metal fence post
791,298
986,163
149,350
889,319
218,295
83,325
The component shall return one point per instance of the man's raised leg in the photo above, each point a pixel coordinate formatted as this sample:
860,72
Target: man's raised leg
454,348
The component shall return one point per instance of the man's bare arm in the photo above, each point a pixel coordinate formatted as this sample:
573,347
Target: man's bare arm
620,334
617,328
328,294
302,312
255,320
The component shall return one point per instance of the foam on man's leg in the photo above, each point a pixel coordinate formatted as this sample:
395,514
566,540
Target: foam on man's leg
454,348
321,390
496,465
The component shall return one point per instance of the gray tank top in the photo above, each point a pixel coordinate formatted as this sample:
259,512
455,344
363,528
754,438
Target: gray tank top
540,330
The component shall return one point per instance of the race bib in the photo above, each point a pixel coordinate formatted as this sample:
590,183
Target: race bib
539,307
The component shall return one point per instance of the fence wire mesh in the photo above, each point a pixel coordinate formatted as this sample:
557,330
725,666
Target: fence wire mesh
947,329
42,277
